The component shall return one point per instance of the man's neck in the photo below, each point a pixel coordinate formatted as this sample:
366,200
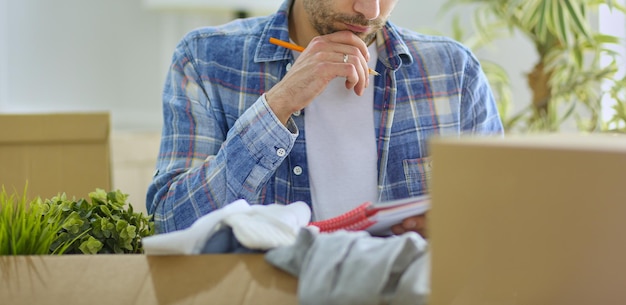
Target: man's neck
300,29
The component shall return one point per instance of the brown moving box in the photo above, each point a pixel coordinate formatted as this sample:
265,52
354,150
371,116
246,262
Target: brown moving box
529,220
70,153
138,279
55,153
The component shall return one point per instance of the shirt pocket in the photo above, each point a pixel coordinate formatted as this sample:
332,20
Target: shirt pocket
417,173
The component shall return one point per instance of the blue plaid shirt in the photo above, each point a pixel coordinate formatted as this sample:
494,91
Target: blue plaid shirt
221,142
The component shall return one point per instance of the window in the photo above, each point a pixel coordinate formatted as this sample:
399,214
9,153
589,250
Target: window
613,23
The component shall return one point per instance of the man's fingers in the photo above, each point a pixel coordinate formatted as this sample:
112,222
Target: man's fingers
412,224
345,48
397,229
357,75
348,38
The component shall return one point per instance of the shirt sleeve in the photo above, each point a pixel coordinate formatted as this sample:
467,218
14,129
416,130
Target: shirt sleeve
479,111
203,164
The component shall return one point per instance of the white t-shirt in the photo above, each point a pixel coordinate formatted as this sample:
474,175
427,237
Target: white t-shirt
341,147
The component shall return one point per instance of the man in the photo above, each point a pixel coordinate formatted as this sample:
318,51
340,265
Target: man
236,109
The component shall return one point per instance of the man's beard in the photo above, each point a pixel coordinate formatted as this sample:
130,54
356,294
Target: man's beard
323,21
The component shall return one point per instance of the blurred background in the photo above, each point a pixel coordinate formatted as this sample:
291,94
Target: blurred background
112,55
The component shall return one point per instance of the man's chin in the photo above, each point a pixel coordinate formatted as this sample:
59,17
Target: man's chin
367,38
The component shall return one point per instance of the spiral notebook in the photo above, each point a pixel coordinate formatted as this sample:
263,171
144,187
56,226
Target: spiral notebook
376,218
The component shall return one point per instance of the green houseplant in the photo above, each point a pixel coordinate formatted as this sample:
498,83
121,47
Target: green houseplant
566,80
103,223
29,227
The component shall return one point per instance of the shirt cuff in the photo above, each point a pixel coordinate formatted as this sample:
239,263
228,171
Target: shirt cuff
264,136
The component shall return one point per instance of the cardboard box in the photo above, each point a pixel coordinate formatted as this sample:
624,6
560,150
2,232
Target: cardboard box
55,153
538,219
139,279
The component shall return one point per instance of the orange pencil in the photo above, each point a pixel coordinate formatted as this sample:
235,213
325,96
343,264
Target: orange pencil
298,48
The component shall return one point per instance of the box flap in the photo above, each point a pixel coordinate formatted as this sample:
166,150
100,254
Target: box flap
55,153
58,127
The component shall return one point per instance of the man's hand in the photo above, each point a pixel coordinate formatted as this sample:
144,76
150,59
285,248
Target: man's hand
413,223
321,62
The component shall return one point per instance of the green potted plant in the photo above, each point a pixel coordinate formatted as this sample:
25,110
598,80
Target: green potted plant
29,227
104,223
566,80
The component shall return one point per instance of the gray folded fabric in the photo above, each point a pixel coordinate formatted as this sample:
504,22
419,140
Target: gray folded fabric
414,285
355,268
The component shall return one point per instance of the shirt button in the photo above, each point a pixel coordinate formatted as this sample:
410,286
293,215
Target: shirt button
281,152
288,67
297,113
297,170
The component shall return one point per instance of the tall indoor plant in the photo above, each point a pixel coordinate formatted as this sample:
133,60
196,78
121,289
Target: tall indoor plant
567,78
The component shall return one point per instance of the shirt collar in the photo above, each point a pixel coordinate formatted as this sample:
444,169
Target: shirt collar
277,27
392,51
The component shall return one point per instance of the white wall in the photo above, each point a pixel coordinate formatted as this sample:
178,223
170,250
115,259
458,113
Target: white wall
75,55
4,32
